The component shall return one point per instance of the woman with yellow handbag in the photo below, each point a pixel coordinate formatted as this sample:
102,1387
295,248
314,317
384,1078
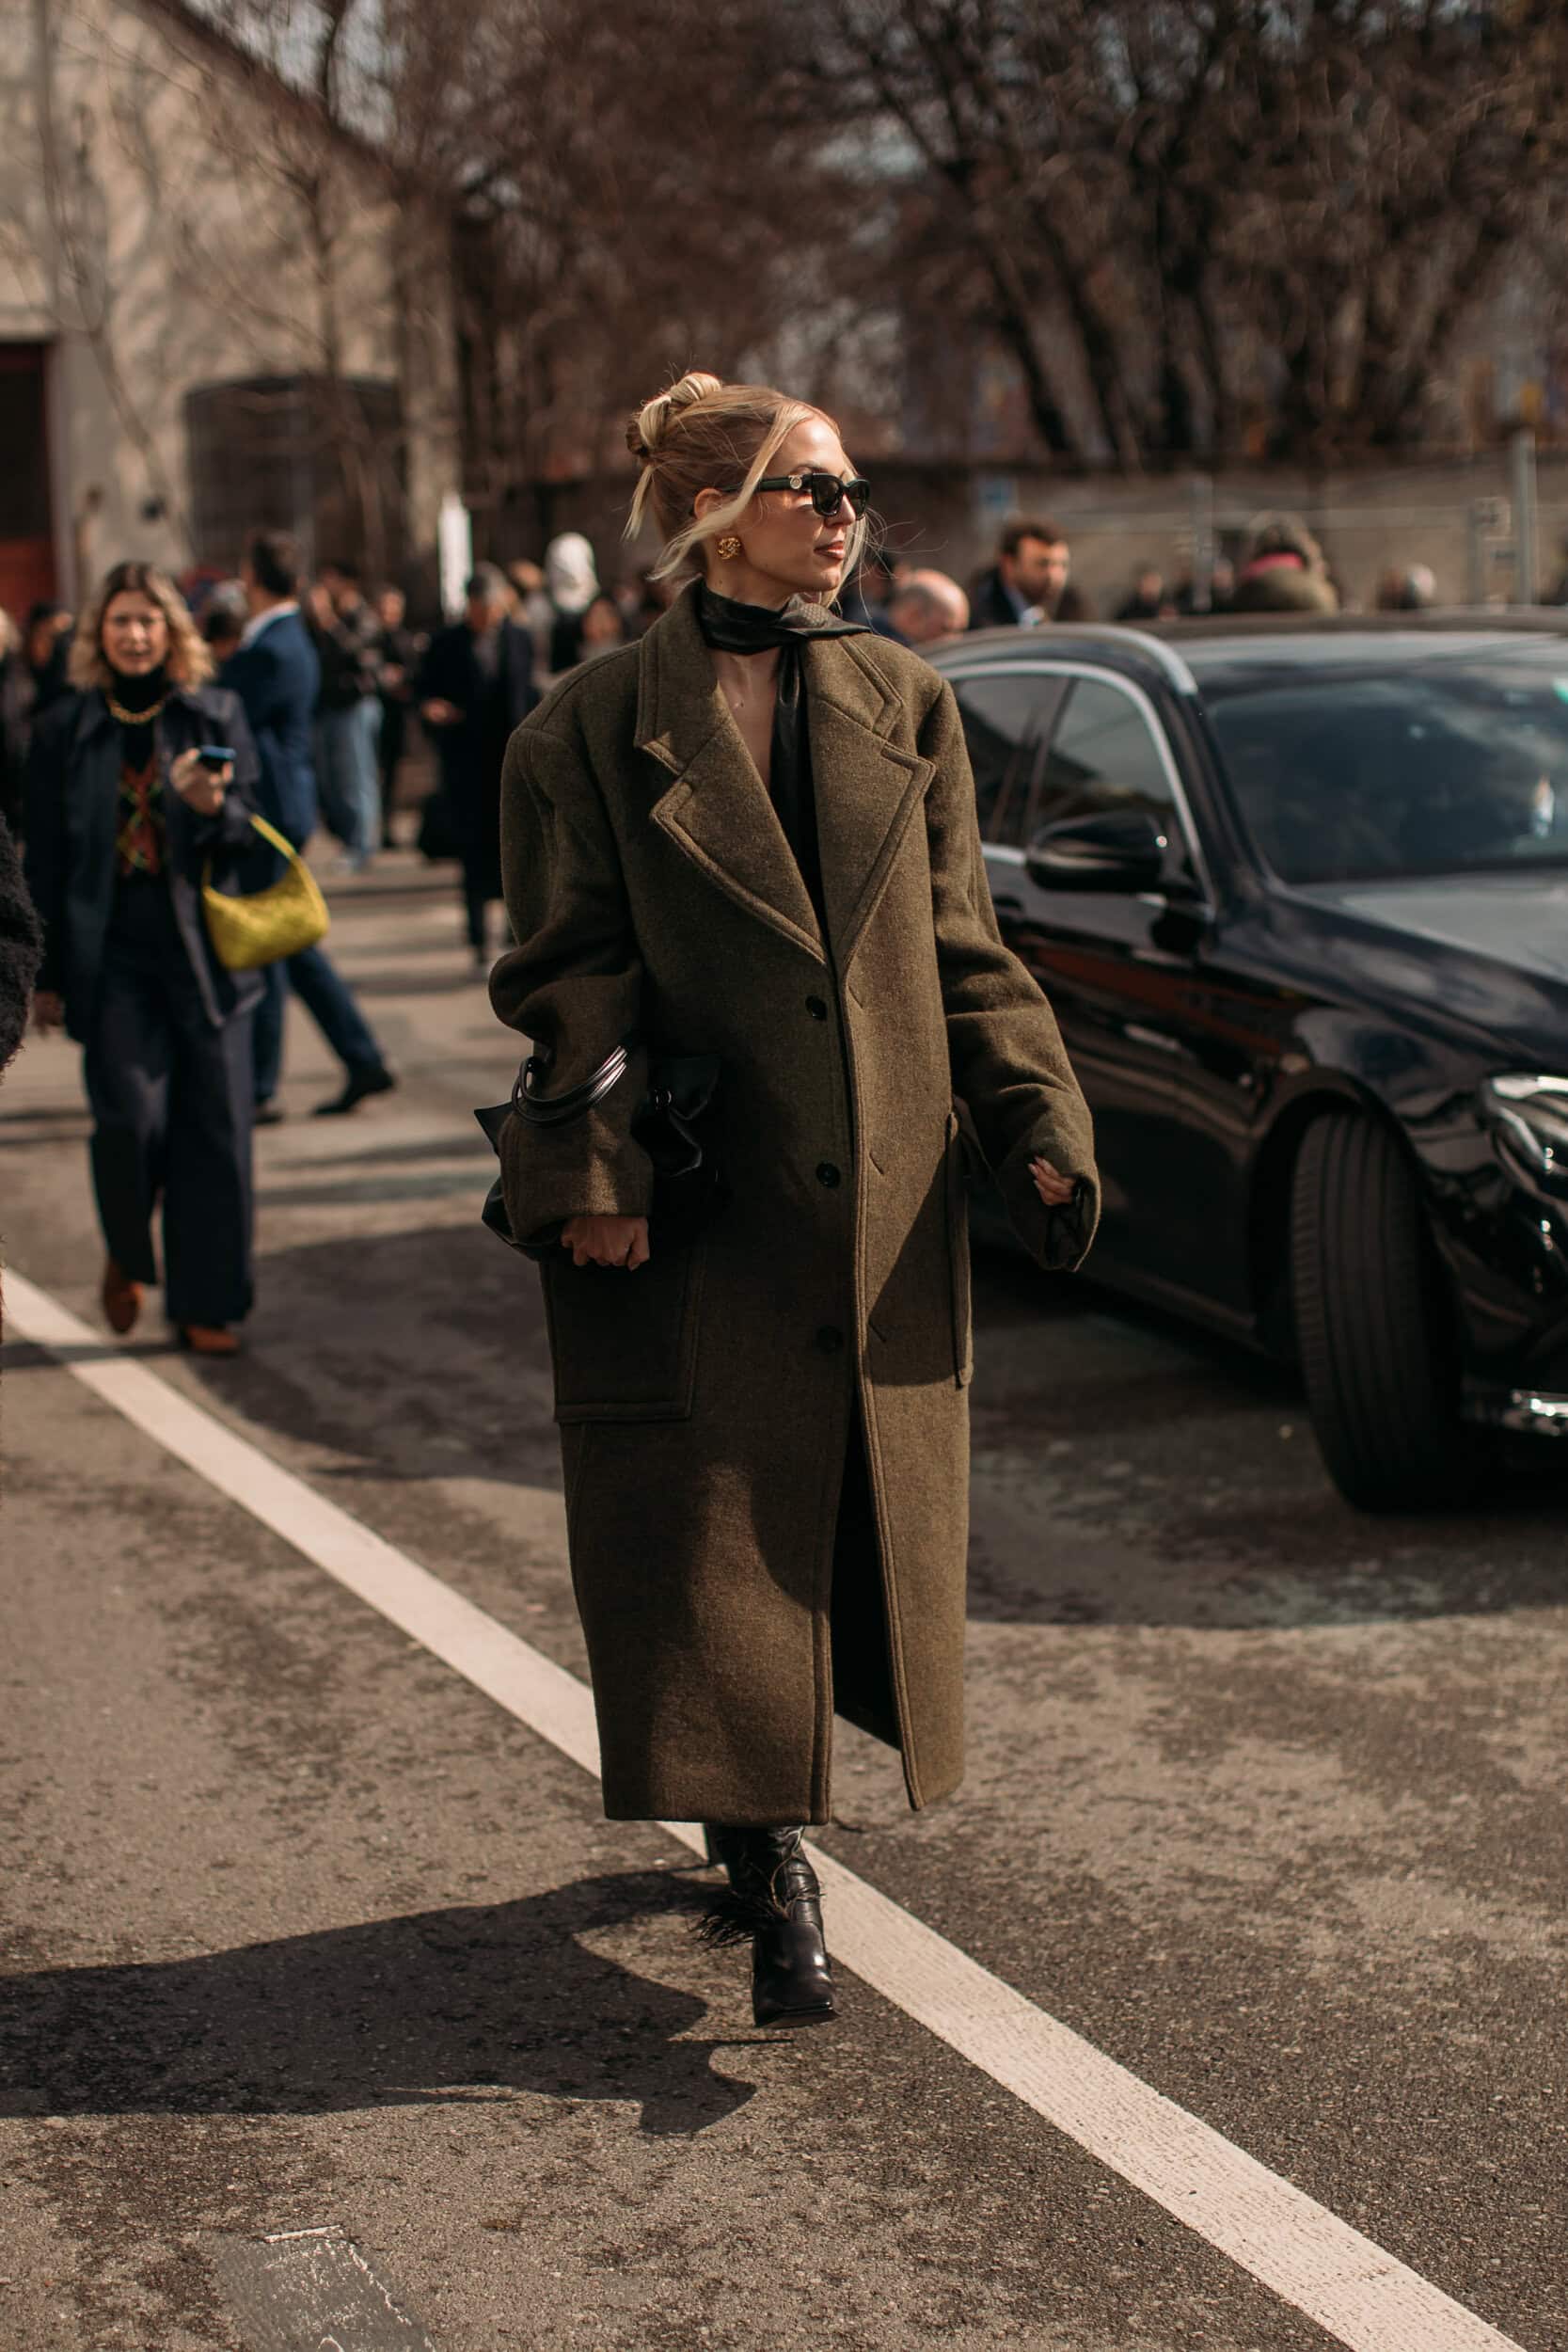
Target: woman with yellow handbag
139,797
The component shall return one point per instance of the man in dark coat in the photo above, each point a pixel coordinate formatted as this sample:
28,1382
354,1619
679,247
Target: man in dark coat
275,675
20,948
400,652
1029,583
46,655
475,688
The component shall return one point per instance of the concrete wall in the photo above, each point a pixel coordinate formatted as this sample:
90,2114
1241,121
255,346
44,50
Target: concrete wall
152,233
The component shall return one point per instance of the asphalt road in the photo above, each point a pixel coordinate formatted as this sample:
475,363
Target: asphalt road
303,1933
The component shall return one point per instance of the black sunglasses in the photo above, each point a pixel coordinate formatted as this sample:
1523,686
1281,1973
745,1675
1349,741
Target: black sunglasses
827,492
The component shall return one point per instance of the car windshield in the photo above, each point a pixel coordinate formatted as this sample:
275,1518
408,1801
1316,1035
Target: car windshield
1443,765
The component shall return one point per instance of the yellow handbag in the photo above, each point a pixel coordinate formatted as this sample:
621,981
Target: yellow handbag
266,925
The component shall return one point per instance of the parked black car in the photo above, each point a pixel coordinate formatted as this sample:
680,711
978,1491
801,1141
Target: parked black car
1299,894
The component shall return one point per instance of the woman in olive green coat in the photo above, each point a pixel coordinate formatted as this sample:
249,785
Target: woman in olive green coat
753,836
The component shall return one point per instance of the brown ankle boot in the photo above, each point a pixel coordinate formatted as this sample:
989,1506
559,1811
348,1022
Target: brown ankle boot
121,1299
209,1338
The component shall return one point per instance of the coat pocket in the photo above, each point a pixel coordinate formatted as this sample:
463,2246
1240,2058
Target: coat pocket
623,1346
958,1254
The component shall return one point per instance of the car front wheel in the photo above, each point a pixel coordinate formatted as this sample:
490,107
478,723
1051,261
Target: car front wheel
1372,1330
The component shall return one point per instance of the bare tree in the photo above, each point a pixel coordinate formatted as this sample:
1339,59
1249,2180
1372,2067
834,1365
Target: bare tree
1193,216
634,190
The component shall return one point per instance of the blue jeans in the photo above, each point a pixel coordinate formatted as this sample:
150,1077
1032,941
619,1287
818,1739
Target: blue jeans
327,998
348,776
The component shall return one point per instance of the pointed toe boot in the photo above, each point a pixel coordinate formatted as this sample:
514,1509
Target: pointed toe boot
773,1899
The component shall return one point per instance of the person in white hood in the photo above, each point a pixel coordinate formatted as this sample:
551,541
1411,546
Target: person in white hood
571,582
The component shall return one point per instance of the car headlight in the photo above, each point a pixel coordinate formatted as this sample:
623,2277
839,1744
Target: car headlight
1528,1117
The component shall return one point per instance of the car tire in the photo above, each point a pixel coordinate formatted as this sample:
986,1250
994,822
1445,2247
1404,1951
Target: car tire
1374,1334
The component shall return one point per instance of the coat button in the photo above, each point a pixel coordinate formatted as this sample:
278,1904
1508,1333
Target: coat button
830,1339
817,1009
827,1174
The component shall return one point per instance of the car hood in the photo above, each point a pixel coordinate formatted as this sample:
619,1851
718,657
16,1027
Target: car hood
1500,966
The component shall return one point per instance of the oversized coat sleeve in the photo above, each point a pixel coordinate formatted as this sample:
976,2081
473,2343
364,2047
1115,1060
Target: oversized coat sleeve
573,985
1008,1063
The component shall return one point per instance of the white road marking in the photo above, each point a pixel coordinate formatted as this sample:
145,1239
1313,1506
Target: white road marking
312,2287
1303,2253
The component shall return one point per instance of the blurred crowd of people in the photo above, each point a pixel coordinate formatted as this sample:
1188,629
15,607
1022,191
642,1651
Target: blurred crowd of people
1282,568
139,740
391,697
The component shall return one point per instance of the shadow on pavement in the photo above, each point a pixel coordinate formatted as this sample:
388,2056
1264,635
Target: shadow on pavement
438,2008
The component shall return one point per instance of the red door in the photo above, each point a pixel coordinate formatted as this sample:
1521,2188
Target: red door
27,535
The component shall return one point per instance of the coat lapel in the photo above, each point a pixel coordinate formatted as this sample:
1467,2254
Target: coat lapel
718,813
867,789
96,778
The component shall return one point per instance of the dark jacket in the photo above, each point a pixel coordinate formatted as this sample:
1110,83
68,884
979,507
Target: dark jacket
277,677
989,606
49,682
13,737
856,605
72,817
21,946
706,1400
350,657
471,753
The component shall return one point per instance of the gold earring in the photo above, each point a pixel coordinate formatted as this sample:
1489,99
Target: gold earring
729,547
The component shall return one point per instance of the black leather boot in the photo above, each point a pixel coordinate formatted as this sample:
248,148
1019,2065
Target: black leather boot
774,1898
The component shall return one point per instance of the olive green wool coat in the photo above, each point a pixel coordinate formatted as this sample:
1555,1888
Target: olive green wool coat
705,1401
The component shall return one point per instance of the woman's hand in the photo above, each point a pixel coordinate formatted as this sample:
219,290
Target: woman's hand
200,788
606,1241
1054,1190
48,1010
436,714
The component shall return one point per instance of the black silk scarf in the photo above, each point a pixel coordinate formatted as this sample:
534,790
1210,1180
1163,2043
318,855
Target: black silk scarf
732,628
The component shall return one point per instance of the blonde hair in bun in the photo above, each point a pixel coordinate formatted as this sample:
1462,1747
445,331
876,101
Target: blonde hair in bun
647,429
705,434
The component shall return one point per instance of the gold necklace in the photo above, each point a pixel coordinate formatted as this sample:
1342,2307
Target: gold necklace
134,718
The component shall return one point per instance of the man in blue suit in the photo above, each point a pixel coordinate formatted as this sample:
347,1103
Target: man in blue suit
275,675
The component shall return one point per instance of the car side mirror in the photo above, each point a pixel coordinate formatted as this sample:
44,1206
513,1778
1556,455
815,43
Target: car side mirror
1121,850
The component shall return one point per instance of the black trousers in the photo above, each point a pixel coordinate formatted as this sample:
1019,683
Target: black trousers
481,887
171,1104
863,1676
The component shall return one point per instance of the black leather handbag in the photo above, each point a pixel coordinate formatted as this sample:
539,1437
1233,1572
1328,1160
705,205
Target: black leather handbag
688,1188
